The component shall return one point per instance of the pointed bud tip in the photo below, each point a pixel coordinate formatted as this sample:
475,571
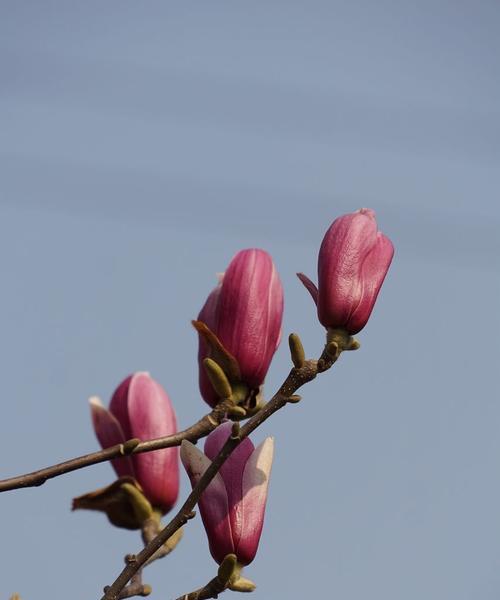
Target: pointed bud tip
369,212
95,401
189,454
145,373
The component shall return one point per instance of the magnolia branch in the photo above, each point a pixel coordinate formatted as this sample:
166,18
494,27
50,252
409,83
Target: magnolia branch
303,372
199,430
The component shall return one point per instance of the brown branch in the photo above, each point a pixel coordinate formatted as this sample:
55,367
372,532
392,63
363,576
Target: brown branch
200,429
213,588
298,376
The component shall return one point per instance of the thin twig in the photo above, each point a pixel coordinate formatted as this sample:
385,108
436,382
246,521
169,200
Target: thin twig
135,587
213,588
199,430
297,377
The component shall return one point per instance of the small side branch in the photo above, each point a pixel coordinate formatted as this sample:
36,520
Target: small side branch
199,430
213,588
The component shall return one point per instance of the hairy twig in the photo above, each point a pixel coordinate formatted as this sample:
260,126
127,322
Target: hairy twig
297,377
199,430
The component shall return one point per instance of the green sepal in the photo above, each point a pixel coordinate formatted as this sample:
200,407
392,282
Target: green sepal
123,502
343,340
217,378
242,585
140,504
226,569
236,412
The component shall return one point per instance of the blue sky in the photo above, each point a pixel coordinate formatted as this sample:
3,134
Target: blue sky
141,146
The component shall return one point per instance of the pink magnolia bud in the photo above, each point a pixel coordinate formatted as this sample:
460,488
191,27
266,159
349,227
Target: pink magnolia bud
245,312
140,408
232,506
353,261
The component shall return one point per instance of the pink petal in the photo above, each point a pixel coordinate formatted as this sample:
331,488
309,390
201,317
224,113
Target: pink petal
151,416
213,503
208,315
231,472
250,311
345,246
373,273
109,432
310,286
119,406
255,486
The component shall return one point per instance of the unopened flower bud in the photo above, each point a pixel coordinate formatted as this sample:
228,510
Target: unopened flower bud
244,312
353,261
232,506
140,408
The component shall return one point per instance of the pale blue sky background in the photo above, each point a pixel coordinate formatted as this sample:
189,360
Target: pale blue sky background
142,145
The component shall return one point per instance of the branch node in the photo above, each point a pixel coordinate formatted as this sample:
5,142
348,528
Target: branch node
129,446
238,412
212,421
235,431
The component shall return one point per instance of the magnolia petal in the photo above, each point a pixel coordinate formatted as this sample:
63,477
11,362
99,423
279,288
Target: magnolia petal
213,502
250,310
119,406
310,286
373,273
208,313
255,486
231,472
151,415
109,433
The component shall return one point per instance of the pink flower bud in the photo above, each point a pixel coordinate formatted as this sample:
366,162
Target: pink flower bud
232,507
140,408
353,261
245,312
